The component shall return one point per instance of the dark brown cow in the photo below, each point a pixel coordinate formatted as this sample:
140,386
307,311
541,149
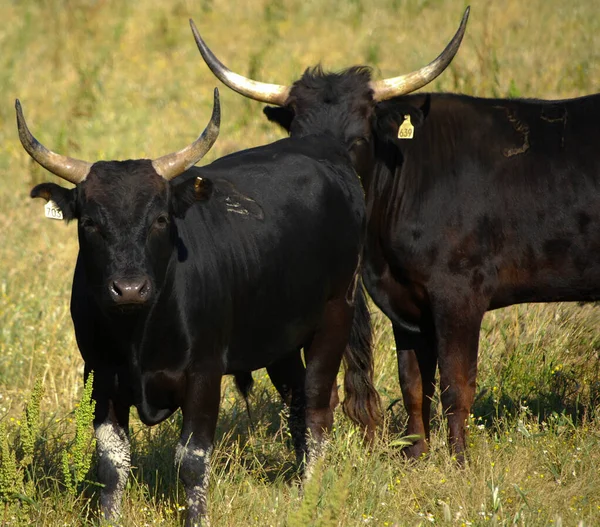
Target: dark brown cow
473,204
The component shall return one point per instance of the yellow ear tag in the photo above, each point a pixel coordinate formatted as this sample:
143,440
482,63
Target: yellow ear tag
406,130
52,211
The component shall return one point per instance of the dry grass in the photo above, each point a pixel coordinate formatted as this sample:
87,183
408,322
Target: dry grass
106,79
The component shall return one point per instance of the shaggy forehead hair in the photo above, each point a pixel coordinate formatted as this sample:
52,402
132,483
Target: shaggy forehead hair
331,87
123,180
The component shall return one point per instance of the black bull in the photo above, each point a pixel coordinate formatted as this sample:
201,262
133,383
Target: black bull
227,268
491,203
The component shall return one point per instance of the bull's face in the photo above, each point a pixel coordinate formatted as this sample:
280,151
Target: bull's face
125,235
125,212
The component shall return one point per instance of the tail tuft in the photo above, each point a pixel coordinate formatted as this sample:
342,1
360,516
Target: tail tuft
362,403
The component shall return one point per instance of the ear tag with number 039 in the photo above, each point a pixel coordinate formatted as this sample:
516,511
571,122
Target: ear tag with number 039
406,130
52,211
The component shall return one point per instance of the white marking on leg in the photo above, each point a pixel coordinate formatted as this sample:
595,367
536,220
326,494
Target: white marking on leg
198,459
114,463
316,450
182,451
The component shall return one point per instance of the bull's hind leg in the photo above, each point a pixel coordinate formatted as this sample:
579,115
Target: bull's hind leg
323,358
192,457
288,376
457,330
417,361
111,427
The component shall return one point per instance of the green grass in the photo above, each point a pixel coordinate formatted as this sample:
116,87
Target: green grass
114,80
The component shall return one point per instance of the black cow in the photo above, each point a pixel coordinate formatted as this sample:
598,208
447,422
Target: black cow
225,269
473,204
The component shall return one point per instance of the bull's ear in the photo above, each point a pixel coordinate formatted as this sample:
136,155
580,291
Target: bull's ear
281,115
202,189
391,116
389,124
64,198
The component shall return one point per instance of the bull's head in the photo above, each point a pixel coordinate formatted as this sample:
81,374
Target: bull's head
124,211
341,104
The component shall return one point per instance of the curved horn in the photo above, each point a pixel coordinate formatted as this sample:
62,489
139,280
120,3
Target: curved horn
73,170
388,88
259,91
172,165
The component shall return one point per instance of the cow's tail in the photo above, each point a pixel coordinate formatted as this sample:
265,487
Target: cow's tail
361,403
244,383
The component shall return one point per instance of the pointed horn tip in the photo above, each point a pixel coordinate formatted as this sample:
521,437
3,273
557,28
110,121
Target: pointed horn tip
22,127
19,110
463,23
196,34
465,17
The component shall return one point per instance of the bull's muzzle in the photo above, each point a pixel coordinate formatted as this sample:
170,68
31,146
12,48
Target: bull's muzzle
130,291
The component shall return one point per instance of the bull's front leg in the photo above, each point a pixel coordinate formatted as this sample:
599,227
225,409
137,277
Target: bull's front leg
111,427
192,456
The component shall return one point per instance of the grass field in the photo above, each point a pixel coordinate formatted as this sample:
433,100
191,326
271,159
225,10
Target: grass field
106,79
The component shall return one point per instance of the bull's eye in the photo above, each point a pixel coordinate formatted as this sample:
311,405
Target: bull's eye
161,221
358,142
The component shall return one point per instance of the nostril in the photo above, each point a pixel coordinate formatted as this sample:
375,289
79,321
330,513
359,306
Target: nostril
144,288
115,290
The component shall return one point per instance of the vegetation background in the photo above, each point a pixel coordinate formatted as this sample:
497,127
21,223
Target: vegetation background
107,79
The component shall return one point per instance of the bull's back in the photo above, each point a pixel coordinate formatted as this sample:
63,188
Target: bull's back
272,272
